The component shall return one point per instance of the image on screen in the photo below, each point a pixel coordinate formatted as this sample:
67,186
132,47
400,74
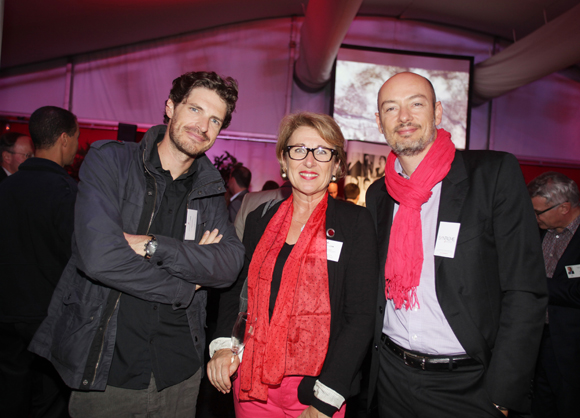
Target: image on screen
360,73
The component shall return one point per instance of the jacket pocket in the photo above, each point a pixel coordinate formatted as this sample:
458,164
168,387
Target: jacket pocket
74,330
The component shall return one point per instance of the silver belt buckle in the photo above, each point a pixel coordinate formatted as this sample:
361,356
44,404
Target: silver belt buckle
421,358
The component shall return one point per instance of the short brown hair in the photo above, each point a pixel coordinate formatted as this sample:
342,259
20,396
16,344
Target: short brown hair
225,88
324,125
351,191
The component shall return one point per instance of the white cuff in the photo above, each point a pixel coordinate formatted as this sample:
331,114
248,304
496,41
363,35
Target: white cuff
218,344
221,343
328,395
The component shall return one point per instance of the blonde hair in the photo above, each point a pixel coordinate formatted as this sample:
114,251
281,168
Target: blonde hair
324,125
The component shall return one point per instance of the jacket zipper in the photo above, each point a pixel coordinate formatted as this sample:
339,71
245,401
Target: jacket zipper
147,233
119,297
154,196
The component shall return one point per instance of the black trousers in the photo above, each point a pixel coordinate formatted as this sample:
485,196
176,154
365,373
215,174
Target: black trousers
29,385
406,392
554,397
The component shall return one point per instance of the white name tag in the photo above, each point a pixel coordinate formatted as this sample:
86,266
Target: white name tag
333,249
447,239
573,271
190,224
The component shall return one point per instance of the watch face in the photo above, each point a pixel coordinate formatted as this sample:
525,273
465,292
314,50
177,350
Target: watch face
151,247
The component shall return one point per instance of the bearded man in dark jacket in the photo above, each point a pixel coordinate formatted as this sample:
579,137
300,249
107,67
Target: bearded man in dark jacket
125,327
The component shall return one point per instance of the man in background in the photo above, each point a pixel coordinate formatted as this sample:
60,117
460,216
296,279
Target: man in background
333,189
351,193
15,148
253,200
556,202
462,295
36,220
238,184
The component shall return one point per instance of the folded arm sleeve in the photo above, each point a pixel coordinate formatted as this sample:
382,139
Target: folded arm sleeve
106,256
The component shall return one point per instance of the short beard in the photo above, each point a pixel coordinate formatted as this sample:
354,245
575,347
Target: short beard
174,137
415,148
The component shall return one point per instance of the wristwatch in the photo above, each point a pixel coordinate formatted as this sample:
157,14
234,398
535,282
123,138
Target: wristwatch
150,247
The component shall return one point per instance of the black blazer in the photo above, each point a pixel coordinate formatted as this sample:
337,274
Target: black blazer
493,292
3,174
564,313
352,286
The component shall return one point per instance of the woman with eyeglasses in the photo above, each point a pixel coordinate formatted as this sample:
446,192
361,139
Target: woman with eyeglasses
312,271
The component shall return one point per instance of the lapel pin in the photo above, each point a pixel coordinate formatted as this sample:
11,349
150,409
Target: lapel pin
330,232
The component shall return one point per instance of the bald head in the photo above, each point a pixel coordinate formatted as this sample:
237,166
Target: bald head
409,78
15,148
408,113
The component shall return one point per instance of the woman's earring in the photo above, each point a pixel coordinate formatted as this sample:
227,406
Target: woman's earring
284,175
333,178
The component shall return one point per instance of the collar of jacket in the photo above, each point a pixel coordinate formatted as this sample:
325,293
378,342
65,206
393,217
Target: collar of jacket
42,164
208,181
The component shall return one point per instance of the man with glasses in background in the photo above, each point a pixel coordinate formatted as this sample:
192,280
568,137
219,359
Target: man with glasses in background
556,202
15,148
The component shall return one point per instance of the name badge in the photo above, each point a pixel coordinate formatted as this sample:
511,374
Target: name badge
573,271
447,239
190,224
333,249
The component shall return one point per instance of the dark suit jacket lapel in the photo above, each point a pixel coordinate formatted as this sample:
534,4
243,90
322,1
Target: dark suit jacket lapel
454,189
331,223
385,205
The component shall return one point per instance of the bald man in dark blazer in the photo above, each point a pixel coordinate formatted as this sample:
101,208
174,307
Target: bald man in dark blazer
487,298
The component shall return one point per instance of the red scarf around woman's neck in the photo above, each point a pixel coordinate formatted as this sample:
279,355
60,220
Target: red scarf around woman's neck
405,255
295,341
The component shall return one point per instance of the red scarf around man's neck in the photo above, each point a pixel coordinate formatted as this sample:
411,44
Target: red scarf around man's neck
295,341
405,255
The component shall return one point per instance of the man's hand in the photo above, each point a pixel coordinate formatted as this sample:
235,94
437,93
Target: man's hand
137,242
312,412
212,237
222,365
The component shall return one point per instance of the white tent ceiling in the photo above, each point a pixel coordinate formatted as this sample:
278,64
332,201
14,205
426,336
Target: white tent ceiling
39,30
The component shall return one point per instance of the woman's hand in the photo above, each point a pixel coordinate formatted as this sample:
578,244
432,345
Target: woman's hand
223,364
312,412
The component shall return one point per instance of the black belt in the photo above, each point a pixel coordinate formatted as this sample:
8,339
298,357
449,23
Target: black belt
427,362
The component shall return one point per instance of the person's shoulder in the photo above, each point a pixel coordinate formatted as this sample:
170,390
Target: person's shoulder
375,188
113,146
349,212
486,162
111,152
347,207
258,219
254,199
485,156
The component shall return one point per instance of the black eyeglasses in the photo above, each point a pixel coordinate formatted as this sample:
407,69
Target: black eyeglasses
300,152
27,156
538,213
